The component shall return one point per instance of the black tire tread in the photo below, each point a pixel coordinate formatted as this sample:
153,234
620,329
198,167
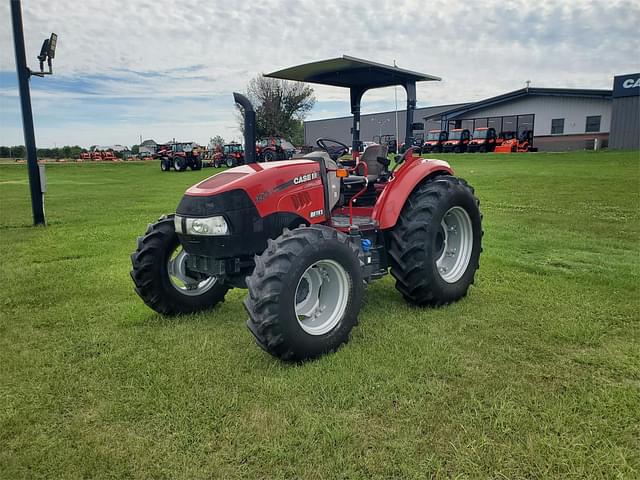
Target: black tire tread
407,266
265,283
144,261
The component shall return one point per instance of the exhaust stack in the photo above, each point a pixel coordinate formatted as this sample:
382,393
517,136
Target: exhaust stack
249,127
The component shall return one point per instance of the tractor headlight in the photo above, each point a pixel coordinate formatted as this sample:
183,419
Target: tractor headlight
201,226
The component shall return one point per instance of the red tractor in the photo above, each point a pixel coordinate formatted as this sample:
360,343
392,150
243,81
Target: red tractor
435,140
273,149
304,236
230,155
483,140
179,156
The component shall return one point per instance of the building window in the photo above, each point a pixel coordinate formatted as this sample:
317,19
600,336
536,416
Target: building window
593,124
557,126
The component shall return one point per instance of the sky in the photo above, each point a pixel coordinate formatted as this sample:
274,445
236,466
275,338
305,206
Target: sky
164,69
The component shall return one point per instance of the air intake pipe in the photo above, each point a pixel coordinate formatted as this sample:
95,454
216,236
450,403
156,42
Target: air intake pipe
249,127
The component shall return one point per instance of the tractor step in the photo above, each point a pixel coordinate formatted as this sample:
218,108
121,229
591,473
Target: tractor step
363,223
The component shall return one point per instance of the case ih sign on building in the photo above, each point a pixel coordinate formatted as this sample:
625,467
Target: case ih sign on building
625,121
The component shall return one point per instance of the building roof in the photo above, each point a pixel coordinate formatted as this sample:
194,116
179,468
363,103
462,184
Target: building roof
351,72
523,92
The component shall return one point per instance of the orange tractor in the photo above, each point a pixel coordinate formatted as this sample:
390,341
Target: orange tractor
517,144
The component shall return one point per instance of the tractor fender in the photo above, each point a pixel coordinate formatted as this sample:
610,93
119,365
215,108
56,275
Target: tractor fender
403,183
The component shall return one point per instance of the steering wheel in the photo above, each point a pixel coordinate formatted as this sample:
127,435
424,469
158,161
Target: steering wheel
334,151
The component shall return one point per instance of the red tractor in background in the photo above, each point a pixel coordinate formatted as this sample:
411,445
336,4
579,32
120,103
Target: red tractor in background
457,142
435,140
483,140
179,156
305,235
230,155
273,149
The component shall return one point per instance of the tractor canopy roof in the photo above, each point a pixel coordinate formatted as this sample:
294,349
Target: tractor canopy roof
351,72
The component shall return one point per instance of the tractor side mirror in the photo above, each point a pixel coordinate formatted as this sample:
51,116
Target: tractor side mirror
417,126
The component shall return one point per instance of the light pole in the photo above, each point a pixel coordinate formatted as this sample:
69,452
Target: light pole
47,53
380,123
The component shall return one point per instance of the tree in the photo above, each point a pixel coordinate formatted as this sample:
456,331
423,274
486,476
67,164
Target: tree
135,149
216,140
280,107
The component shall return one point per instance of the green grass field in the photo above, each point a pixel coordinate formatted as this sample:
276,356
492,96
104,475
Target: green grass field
536,374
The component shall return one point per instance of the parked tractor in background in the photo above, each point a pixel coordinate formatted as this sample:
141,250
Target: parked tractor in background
483,140
273,149
229,155
457,142
435,140
305,235
179,156
520,144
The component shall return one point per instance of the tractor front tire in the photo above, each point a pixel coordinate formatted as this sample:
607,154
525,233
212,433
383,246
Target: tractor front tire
165,166
160,276
305,293
268,156
230,162
435,246
197,164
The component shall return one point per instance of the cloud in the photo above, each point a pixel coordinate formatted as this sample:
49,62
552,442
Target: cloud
165,66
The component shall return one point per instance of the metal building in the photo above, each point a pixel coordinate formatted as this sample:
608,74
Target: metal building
371,125
560,118
625,120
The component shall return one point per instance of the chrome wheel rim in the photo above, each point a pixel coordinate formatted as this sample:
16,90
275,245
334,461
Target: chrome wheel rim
181,281
454,244
321,297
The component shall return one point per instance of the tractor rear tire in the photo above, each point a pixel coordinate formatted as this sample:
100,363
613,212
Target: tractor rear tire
230,162
179,164
435,246
158,253
305,293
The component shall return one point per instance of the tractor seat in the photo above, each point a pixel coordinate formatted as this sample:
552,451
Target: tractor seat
370,156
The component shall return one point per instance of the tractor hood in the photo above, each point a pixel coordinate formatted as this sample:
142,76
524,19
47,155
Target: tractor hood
285,186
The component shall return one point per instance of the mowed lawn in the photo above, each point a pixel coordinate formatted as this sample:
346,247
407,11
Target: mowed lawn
536,374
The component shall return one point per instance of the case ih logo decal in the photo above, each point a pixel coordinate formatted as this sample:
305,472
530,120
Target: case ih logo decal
316,213
307,177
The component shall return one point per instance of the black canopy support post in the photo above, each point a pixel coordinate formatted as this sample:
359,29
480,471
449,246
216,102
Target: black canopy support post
249,127
410,87
356,98
37,199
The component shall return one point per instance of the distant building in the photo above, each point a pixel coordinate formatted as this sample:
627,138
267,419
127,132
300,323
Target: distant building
148,146
560,118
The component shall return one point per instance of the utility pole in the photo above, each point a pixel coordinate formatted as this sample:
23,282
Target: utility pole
37,200
36,185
